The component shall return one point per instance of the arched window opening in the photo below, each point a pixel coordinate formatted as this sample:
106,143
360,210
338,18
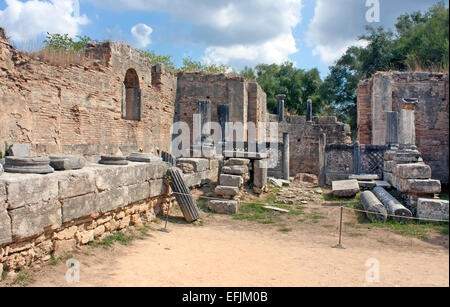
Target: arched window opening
131,105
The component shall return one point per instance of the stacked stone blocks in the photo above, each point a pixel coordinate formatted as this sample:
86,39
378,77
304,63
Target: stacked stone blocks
408,173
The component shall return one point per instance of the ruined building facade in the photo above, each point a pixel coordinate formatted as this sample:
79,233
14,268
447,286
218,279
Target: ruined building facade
117,102
386,91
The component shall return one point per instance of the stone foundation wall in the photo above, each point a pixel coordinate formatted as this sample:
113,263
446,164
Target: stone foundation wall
77,108
42,215
385,91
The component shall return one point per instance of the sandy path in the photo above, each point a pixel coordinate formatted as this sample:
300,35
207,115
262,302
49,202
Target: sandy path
225,252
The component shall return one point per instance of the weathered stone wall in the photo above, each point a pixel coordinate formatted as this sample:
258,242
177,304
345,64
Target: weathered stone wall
247,100
385,91
51,214
77,109
304,139
364,112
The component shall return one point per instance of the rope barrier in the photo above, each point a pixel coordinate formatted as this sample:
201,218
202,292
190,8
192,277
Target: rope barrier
346,208
399,216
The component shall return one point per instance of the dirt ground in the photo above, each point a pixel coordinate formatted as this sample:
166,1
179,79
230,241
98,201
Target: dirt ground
225,251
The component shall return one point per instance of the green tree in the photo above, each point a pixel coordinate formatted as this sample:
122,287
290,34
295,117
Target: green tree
424,39
297,84
63,42
160,59
189,65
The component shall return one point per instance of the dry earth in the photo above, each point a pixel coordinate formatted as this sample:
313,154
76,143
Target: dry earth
293,251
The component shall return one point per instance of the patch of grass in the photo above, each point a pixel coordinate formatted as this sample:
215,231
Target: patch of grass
354,234
119,237
329,197
443,229
54,261
328,226
256,212
199,222
410,229
414,230
444,196
201,203
296,212
316,217
285,229
351,224
143,231
23,278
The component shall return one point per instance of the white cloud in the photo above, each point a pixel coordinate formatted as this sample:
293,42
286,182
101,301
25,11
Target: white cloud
276,50
232,30
141,34
25,21
337,24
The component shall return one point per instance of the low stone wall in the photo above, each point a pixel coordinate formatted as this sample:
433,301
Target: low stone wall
44,215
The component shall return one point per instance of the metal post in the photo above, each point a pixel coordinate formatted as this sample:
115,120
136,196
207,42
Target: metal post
339,245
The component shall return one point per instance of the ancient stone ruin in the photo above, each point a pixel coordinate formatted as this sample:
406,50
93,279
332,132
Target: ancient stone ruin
90,145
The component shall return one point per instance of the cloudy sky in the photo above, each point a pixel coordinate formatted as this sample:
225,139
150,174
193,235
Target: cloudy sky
310,33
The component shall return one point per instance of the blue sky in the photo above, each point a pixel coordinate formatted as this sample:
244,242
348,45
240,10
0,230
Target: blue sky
311,33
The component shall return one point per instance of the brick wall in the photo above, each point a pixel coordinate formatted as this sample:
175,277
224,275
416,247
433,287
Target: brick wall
364,112
246,99
431,113
78,108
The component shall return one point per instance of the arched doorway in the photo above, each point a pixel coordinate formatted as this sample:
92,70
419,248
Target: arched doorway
131,105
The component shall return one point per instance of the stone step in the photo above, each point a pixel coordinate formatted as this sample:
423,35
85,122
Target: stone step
235,170
435,209
231,180
237,161
413,171
383,184
224,206
345,188
367,185
226,192
364,177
